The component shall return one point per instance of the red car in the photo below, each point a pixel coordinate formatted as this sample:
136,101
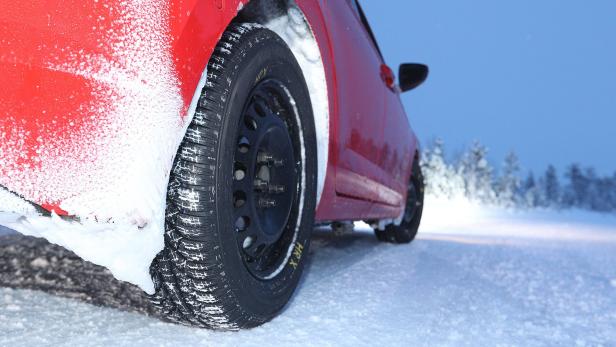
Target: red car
230,126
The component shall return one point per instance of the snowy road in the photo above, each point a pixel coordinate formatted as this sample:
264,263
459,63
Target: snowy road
477,279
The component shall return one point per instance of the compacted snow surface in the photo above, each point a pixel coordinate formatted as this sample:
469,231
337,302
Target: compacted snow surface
473,277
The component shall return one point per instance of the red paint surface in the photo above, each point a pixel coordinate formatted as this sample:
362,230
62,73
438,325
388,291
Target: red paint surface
372,145
371,142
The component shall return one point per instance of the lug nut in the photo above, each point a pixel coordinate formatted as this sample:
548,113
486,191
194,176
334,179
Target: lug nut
276,189
267,203
264,158
261,185
268,159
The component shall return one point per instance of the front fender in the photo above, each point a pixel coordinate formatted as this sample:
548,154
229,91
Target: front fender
96,98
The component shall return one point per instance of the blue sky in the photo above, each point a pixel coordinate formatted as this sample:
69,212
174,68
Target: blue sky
537,77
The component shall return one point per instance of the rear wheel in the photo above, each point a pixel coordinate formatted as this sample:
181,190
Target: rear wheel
407,230
242,193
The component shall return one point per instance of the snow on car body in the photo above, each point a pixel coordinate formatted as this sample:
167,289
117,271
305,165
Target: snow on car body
99,97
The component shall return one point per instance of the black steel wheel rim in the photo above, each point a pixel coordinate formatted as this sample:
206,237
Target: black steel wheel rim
267,172
414,202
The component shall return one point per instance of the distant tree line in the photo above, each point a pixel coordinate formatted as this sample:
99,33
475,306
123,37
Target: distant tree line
471,176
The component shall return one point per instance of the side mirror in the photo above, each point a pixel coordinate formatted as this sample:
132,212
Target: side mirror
412,76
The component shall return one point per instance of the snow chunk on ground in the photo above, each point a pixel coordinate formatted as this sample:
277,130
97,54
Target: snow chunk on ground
39,263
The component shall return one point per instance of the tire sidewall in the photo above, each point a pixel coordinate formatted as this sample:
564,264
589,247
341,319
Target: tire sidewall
268,58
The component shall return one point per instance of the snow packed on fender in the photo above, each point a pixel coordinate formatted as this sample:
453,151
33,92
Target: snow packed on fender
105,154
106,161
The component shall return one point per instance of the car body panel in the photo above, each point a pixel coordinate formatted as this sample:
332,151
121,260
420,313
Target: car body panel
361,106
371,168
47,102
371,145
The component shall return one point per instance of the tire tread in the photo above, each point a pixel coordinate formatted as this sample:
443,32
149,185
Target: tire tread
191,286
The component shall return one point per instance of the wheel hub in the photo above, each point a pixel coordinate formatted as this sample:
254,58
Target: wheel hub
274,180
265,178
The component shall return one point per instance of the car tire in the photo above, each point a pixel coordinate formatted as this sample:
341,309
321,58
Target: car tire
406,231
242,192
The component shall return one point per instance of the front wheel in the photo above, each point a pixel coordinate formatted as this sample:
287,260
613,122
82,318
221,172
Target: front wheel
242,193
407,230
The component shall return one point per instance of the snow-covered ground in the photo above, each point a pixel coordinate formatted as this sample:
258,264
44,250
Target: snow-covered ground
473,277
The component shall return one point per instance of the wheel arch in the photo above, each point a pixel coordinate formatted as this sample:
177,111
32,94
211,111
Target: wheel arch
295,22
